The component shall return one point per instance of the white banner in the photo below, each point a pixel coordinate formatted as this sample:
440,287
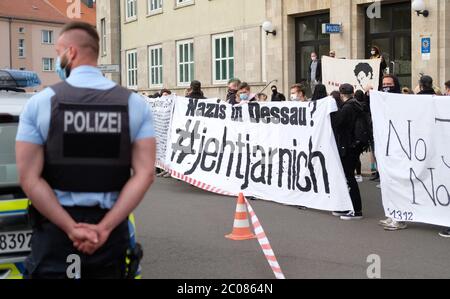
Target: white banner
412,135
282,152
359,73
162,115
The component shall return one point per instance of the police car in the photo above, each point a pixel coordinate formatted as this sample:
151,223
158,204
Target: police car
15,228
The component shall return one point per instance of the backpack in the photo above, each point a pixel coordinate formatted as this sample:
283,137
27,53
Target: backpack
362,134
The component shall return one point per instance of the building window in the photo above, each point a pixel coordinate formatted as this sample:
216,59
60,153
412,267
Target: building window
185,62
21,48
48,64
184,2
21,30
156,66
223,58
103,36
130,9
132,69
47,37
154,6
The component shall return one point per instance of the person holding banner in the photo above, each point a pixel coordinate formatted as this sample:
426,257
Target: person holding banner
344,123
243,95
233,86
375,53
298,93
196,91
320,92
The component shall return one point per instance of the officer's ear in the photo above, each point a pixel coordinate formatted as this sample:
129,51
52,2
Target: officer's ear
72,53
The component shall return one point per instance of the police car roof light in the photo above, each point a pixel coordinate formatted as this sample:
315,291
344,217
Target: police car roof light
11,79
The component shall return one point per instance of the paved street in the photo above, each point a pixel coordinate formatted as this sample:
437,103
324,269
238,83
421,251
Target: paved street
182,230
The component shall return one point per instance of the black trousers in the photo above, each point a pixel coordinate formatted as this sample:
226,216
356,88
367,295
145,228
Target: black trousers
349,162
50,248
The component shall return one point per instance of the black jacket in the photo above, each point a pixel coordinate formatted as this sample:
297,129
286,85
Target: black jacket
231,96
343,122
278,97
318,72
427,91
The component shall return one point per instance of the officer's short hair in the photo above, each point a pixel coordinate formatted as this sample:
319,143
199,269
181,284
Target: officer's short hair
89,29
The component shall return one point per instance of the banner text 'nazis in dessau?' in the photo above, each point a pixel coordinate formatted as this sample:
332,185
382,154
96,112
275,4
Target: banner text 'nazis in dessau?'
283,152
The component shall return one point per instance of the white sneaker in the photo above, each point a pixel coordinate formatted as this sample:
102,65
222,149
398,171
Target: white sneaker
352,216
385,222
359,178
339,213
394,225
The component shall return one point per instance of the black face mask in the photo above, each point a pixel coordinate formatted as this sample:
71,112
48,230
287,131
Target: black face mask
389,89
274,90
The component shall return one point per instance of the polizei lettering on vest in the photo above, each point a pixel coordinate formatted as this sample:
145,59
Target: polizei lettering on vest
92,122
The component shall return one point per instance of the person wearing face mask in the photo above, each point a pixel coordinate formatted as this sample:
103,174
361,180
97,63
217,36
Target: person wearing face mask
375,53
298,93
276,96
344,123
391,84
233,86
77,144
314,71
243,95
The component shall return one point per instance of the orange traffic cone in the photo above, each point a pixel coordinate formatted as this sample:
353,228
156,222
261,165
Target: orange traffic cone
241,227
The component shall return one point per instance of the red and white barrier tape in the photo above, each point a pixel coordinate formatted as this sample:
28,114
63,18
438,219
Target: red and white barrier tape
265,244
199,184
259,231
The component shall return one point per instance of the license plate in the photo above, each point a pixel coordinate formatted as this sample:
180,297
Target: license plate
12,242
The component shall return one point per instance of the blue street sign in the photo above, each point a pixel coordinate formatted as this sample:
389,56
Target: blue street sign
331,28
426,45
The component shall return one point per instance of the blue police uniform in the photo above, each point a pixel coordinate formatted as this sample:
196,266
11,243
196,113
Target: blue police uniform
78,139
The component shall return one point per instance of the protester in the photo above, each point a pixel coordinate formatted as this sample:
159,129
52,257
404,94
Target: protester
298,93
244,95
233,86
155,95
314,71
165,92
261,97
344,123
361,98
332,54
437,91
276,96
196,92
375,53
407,91
447,88
426,86
187,92
391,84
320,92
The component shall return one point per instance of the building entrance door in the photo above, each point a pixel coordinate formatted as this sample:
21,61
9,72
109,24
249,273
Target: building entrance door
309,38
392,34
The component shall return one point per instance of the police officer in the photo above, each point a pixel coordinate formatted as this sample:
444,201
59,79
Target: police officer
77,143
